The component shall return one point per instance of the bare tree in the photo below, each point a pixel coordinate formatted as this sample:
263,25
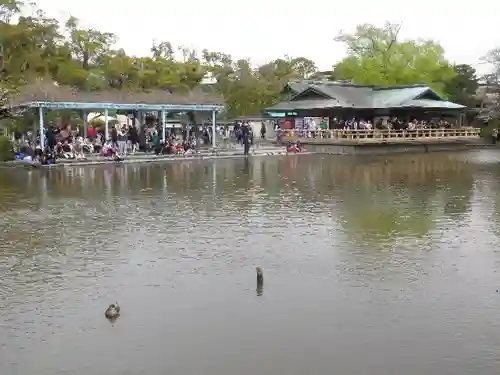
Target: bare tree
491,100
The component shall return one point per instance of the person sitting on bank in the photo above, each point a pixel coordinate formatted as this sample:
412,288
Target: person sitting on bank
68,152
178,148
189,147
87,146
38,154
63,150
108,150
97,144
294,147
58,150
26,150
158,149
77,148
44,158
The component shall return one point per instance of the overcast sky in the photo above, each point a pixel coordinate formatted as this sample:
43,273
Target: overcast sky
263,29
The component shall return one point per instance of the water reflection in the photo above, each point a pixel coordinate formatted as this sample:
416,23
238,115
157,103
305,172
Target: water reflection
371,266
374,202
260,289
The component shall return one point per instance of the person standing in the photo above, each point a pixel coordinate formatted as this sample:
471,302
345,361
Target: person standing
114,138
324,127
263,130
237,133
91,133
245,138
51,138
133,138
122,142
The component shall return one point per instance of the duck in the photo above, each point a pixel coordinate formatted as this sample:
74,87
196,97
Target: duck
113,311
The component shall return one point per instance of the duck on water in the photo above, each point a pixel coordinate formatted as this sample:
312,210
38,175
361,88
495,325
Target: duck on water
113,311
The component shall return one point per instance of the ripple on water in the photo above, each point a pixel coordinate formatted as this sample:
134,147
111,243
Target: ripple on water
370,267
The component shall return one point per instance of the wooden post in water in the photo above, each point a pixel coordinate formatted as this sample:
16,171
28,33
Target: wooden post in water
260,280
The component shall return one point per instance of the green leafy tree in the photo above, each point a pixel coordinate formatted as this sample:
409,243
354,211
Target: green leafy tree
36,46
88,46
249,90
375,56
463,86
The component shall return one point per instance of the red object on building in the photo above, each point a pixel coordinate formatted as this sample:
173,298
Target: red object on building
91,132
287,124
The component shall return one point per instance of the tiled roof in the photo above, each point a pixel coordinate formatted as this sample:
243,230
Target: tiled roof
396,97
306,104
426,103
347,95
297,86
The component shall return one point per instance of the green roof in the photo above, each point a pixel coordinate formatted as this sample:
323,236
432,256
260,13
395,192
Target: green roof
426,103
327,94
304,105
297,86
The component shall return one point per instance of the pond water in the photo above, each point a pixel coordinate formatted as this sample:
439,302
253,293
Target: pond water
371,265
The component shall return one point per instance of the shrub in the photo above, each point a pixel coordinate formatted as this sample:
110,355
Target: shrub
6,149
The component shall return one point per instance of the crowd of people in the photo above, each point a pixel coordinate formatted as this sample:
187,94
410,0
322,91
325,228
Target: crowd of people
66,143
309,128
393,123
122,140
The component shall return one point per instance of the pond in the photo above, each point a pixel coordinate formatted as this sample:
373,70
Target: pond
371,266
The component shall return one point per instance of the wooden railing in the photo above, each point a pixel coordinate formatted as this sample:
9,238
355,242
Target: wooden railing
381,134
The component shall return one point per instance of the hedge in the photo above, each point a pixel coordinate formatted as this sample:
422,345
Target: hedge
6,149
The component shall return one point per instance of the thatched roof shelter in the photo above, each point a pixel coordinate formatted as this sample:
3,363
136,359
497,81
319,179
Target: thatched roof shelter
48,94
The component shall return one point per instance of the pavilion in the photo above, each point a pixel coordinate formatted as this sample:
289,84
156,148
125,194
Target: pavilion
49,95
346,100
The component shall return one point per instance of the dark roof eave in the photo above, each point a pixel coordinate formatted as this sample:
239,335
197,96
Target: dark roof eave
277,108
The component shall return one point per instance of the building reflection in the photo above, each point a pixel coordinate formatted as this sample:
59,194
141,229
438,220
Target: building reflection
367,194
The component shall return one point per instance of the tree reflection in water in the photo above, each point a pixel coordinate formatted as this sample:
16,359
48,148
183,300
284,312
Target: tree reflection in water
375,199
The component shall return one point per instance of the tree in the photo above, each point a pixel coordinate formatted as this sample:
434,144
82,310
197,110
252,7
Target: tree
493,59
462,87
8,9
163,50
326,75
88,46
36,46
375,56
491,104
